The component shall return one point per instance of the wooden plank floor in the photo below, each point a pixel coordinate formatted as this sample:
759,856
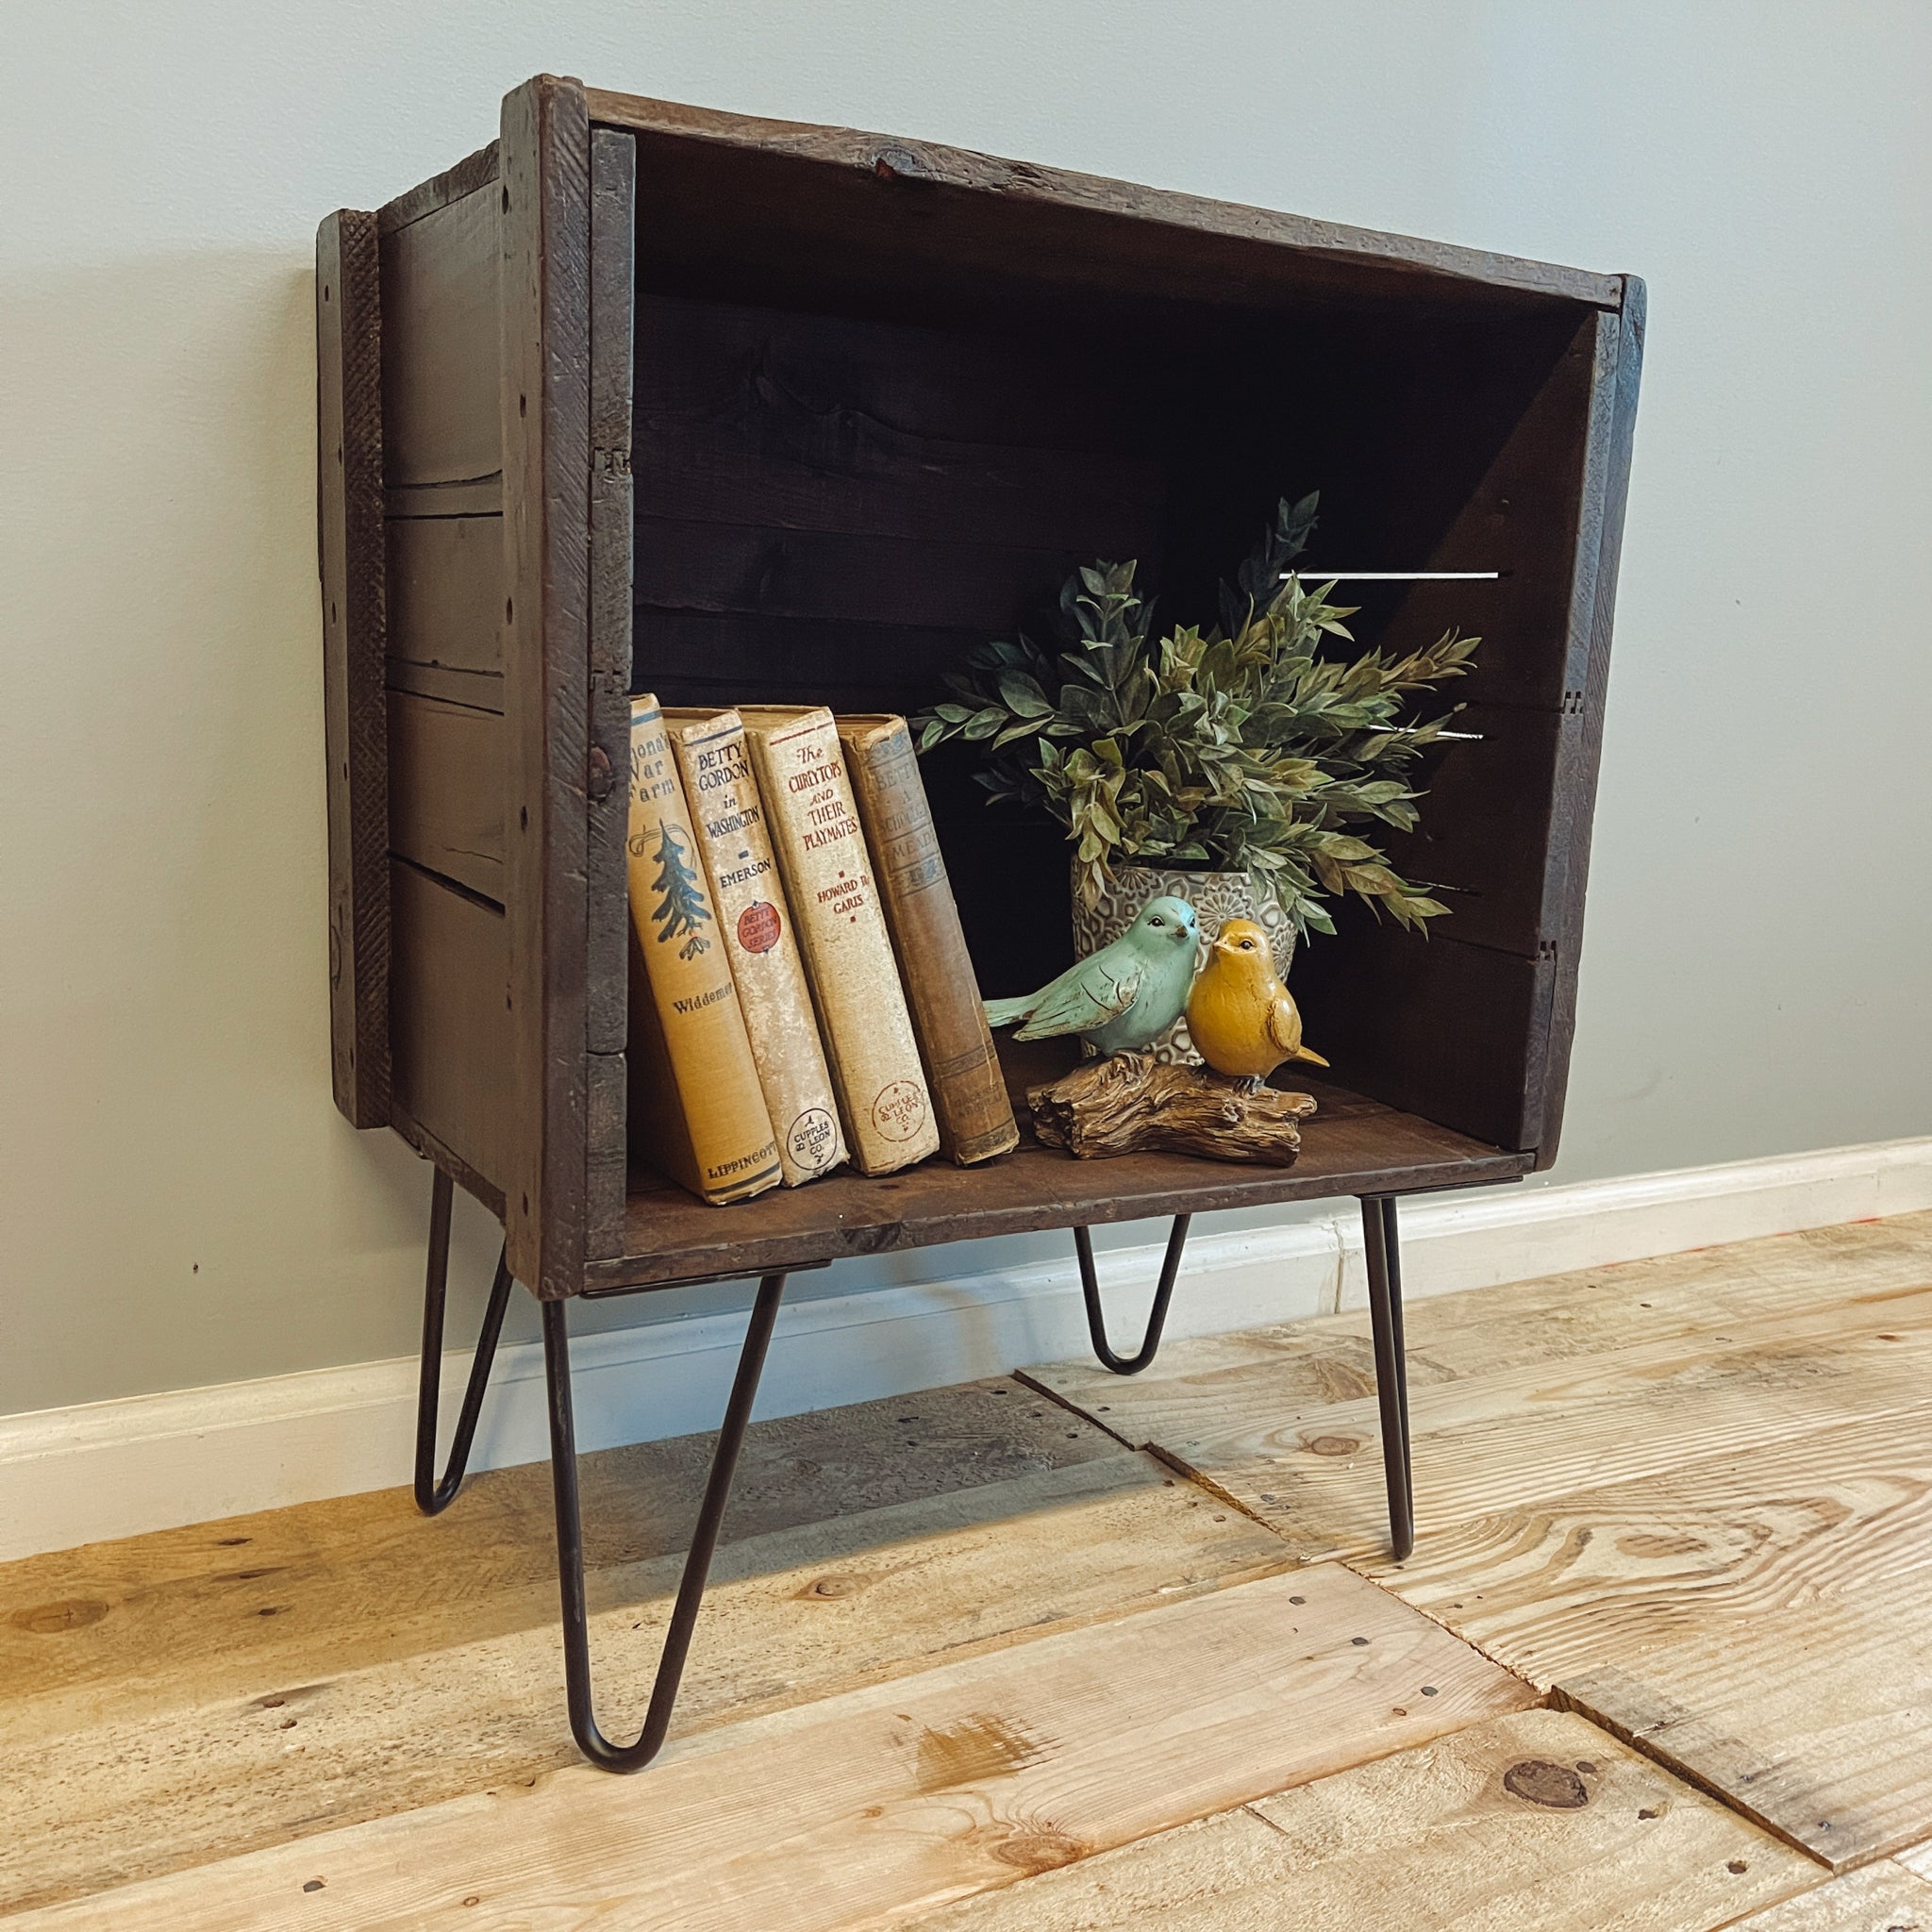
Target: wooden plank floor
1691,1498
1126,1653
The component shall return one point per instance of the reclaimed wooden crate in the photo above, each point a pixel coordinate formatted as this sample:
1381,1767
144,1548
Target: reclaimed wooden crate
644,396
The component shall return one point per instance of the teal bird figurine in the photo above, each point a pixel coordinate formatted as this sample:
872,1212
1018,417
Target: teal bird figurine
1122,997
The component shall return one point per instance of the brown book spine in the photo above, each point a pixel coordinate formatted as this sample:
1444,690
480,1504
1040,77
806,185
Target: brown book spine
696,1102
760,938
841,927
962,1067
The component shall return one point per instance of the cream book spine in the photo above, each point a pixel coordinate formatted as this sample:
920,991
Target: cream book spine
842,929
755,921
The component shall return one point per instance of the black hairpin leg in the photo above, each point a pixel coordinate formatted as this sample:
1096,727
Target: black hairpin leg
1383,1244
703,1541
1156,1316
433,1497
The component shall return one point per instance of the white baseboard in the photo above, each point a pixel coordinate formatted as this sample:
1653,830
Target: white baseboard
112,1469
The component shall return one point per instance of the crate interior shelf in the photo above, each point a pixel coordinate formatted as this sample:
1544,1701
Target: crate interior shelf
1352,1146
646,397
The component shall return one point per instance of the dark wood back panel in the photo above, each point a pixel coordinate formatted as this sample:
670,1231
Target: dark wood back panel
836,499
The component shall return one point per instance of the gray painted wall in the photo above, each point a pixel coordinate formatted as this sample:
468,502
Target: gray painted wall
183,1206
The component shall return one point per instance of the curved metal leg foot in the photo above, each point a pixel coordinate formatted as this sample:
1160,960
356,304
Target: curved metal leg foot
1381,1240
433,1497
1157,1315
703,1541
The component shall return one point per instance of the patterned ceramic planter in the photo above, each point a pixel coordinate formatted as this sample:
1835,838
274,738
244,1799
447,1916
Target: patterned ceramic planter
1214,895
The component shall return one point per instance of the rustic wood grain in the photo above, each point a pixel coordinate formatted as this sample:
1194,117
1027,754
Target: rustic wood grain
1553,1318
481,691
614,216
1532,1822
1711,1550
181,1608
1918,1858
1130,1105
445,790
349,428
1350,1147
1815,1725
919,1790
892,166
449,1034
1883,1897
321,1740
1692,1495
473,172
441,352
1588,677
546,431
1482,1446
446,592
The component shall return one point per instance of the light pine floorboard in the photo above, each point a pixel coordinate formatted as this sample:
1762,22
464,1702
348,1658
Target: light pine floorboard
1531,1822
1758,1621
342,1710
1553,1317
1713,1535
893,1797
1884,1897
260,1602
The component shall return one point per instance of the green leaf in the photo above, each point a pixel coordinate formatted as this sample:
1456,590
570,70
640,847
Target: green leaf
1024,696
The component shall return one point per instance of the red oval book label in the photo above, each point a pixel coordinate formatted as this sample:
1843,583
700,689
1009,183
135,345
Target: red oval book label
758,927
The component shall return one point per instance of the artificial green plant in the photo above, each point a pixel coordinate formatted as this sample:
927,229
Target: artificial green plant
1238,748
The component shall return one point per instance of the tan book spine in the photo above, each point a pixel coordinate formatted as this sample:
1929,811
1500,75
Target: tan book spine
841,931
696,1102
962,1069
761,939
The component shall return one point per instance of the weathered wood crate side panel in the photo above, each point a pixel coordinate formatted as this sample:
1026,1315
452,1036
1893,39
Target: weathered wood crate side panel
1619,376
613,255
1454,1032
350,550
1460,1028
443,355
440,263
449,1024
445,794
545,416
446,592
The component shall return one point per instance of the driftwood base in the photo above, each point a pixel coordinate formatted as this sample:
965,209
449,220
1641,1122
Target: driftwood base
1129,1104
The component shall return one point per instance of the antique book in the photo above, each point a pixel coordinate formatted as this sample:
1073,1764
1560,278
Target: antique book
841,931
962,1070
696,1102
760,938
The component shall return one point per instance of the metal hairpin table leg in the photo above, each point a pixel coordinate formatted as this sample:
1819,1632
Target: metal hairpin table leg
1381,1240
703,1541
433,1497
1156,1316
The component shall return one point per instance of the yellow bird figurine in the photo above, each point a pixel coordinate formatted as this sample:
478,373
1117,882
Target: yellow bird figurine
1242,1019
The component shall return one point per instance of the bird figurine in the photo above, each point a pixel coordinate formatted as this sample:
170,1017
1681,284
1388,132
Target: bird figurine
1122,997
1240,1016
